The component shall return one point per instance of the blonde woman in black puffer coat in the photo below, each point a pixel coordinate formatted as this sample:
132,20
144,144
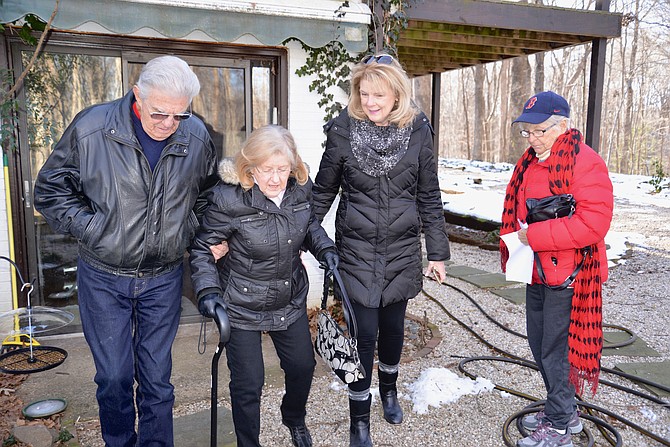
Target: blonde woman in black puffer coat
379,159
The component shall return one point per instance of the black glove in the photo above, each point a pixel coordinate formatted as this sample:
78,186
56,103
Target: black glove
207,304
330,260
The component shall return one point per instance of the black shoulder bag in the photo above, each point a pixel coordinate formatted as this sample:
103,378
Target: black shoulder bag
553,207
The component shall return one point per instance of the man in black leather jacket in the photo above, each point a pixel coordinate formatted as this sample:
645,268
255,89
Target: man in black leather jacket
125,180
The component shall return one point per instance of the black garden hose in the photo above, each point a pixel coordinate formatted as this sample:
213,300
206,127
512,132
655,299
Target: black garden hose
607,430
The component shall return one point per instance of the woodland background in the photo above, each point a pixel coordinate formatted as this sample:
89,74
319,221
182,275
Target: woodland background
479,103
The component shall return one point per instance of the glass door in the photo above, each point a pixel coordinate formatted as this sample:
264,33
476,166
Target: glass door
236,96
56,89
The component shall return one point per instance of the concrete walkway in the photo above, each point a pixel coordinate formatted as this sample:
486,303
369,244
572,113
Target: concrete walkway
191,374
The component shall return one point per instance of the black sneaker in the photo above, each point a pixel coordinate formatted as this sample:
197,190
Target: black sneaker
300,436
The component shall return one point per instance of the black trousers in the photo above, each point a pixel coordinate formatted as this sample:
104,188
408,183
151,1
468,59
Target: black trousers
383,327
247,375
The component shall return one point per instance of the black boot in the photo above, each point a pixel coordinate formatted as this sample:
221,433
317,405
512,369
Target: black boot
359,431
389,397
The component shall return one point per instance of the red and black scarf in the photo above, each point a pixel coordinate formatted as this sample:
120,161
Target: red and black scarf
585,335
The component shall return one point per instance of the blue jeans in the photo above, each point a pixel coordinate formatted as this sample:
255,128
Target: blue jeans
547,323
247,375
130,324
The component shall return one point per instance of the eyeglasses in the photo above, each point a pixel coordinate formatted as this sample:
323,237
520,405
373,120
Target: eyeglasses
381,59
269,172
537,133
160,116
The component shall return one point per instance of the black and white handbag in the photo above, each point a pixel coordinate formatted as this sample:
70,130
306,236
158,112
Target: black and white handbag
335,346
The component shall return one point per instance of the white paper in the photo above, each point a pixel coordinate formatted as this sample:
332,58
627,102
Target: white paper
520,263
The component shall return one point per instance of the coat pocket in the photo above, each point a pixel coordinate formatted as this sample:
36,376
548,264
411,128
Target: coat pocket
255,229
301,215
246,293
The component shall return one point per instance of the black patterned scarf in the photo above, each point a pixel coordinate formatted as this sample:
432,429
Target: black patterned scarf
585,336
378,148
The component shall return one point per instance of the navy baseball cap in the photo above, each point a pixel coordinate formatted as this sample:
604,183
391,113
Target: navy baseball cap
541,107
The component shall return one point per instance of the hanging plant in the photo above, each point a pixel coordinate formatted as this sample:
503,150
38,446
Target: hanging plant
331,67
392,22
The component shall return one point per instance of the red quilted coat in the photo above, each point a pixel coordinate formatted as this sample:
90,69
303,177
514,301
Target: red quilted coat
555,240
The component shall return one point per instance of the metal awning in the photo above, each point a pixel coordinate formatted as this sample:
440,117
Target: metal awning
271,22
445,35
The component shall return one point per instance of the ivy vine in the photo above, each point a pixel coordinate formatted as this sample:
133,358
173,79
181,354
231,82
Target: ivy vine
8,102
393,21
331,64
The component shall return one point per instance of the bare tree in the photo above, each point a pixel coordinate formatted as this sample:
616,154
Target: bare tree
504,110
520,92
479,104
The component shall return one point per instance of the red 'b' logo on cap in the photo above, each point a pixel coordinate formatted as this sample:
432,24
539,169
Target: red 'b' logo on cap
531,102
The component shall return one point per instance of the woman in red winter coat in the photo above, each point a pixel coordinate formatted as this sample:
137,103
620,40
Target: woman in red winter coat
563,311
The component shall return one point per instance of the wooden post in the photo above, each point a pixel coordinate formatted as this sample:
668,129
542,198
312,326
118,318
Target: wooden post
596,82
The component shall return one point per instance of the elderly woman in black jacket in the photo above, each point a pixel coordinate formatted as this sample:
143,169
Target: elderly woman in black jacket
379,158
263,209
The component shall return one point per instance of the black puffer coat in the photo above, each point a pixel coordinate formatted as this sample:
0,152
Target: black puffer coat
380,219
262,278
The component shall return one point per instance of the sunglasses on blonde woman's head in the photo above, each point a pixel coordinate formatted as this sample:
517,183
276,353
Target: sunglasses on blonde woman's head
381,59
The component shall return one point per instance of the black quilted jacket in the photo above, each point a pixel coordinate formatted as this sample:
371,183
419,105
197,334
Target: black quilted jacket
380,219
262,278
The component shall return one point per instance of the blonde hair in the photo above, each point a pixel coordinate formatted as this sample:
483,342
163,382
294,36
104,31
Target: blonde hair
382,77
262,144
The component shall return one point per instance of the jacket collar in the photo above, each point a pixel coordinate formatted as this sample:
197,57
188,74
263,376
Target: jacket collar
261,202
229,176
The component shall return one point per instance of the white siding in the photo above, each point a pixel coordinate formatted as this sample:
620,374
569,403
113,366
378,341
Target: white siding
306,122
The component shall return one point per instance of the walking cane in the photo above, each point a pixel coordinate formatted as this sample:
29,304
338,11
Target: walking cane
223,324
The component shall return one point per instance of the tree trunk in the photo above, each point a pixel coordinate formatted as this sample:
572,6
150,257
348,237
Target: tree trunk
505,118
625,167
538,85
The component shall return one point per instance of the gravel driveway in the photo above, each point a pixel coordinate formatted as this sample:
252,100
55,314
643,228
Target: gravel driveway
634,297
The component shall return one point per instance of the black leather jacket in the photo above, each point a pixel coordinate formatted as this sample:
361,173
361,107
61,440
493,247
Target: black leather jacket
262,278
98,187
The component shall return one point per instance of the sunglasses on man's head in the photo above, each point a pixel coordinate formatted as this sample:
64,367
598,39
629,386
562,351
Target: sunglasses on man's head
381,59
160,116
